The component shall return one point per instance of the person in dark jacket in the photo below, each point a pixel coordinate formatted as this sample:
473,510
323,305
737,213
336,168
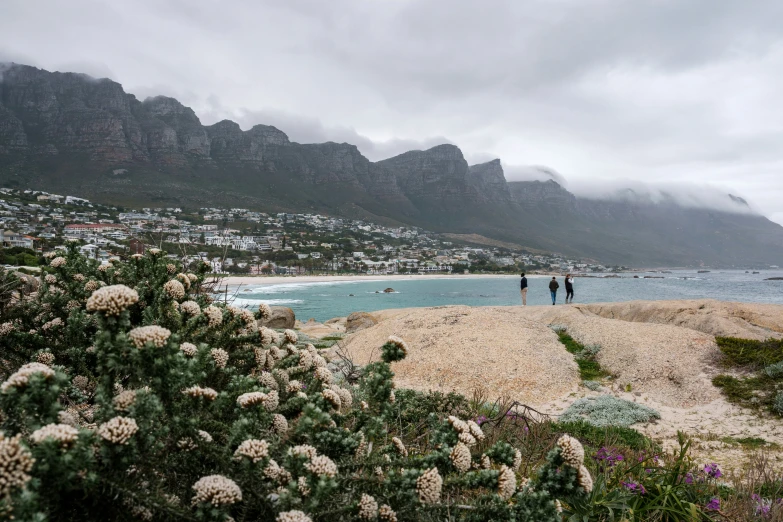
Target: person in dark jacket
523,289
553,286
569,281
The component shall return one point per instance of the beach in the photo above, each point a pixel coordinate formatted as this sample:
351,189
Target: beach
234,281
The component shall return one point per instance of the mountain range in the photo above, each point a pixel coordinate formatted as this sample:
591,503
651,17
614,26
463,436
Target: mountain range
69,132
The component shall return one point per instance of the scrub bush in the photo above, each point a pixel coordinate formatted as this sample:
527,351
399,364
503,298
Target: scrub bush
128,394
606,410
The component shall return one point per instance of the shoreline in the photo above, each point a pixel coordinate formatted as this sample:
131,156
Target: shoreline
233,281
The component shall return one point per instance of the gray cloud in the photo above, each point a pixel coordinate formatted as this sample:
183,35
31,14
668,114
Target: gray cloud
651,91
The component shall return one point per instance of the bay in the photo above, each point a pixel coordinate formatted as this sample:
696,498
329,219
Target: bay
325,300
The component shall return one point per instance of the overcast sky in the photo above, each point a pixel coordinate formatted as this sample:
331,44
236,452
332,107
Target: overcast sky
601,91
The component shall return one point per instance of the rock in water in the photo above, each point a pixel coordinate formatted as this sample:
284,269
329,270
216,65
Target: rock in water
282,317
359,321
389,291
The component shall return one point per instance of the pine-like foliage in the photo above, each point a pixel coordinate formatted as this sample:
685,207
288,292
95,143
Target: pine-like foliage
128,394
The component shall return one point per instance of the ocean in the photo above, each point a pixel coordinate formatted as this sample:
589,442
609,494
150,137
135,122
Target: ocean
322,301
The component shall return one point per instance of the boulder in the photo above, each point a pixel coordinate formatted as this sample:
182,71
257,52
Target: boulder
282,317
389,291
359,321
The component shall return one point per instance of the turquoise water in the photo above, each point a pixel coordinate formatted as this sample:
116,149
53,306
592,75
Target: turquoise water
323,301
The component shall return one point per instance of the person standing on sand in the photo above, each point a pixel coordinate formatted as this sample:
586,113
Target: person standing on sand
569,281
523,289
553,286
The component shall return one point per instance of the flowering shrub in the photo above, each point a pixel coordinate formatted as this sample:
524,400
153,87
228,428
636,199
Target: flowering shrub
146,400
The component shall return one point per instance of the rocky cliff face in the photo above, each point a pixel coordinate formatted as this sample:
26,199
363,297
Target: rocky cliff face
490,181
66,131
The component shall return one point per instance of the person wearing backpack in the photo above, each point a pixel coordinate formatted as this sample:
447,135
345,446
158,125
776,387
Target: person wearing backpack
553,286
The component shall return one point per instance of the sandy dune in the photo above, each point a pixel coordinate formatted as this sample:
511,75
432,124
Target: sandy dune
664,350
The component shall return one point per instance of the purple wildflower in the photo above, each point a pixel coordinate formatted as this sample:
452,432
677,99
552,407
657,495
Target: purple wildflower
712,471
481,419
634,487
713,504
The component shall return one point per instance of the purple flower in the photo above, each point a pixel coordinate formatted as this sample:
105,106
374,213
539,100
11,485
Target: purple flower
712,471
481,420
713,504
634,487
609,456
689,478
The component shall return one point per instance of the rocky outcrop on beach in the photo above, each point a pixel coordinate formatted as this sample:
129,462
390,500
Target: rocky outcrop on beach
282,317
359,321
719,318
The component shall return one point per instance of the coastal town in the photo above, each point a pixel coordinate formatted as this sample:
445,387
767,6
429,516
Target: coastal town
244,241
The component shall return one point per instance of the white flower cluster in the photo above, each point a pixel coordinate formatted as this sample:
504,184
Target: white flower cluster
54,323
184,279
64,434
174,289
189,349
91,286
78,277
293,386
15,464
220,356
118,430
507,482
573,455
6,328
399,446
124,400
216,490
46,358
368,507
387,514
153,334
332,397
50,279
322,466
198,391
304,450
292,516
264,312
399,343
214,315
266,379
460,457
323,375
190,308
247,317
290,336
266,335
279,424
111,299
170,268
429,486
468,432
21,377
81,382
57,262
254,449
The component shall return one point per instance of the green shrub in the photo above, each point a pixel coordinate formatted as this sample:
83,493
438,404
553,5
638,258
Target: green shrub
606,410
130,395
748,352
589,369
591,385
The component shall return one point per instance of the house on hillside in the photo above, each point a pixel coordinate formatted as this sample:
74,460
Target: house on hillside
9,238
